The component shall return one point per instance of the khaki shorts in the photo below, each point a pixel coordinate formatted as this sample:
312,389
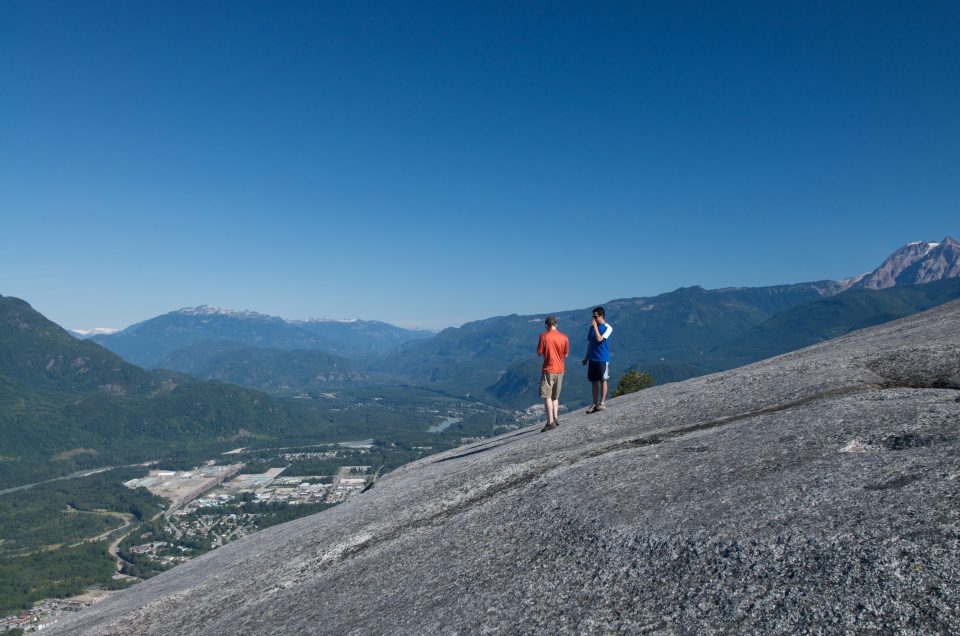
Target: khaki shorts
550,385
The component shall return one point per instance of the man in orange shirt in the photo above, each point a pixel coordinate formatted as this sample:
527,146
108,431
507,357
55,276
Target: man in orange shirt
554,347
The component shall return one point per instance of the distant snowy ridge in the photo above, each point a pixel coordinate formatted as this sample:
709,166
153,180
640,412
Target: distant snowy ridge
188,339
97,331
208,310
246,314
338,321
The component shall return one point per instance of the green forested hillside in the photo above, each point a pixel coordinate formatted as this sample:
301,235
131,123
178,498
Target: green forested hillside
53,537
814,322
67,405
275,371
39,354
682,323
480,357
696,333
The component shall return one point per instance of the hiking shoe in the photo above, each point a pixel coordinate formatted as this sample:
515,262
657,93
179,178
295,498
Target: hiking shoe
549,427
592,408
601,407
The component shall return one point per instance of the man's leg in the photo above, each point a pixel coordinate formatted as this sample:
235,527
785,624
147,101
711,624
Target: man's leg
556,399
546,392
603,388
596,389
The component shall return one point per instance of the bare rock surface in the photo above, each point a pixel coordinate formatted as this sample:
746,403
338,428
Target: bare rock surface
816,492
914,264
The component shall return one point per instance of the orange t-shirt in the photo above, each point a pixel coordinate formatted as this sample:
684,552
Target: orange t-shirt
554,347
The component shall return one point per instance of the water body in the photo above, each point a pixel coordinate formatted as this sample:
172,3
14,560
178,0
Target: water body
436,428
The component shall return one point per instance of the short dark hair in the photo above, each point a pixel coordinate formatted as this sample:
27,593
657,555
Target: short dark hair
551,321
599,310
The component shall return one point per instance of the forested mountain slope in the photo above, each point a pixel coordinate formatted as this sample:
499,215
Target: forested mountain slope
67,404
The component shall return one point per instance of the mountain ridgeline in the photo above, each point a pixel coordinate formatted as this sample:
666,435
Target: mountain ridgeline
699,331
674,336
810,323
483,357
690,331
256,350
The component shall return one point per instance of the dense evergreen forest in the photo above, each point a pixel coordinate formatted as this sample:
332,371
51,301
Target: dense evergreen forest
45,549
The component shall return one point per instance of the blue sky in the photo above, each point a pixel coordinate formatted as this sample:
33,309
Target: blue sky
430,163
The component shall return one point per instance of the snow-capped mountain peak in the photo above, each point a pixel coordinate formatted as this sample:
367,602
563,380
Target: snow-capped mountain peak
922,244
208,310
914,264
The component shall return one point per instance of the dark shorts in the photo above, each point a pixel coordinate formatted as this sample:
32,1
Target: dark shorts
598,371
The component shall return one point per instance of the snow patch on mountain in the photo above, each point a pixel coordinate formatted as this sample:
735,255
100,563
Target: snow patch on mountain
338,321
208,310
96,331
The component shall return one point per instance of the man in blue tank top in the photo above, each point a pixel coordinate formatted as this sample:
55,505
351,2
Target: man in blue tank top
598,358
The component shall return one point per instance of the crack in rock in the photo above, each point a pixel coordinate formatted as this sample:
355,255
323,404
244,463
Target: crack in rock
483,447
894,482
660,437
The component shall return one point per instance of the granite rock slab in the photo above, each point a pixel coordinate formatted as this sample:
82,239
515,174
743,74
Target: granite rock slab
816,492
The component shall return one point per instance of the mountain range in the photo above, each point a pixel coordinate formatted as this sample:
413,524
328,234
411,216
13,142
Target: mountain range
257,350
687,332
674,336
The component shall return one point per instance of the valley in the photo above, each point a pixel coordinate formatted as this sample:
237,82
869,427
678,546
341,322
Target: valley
127,524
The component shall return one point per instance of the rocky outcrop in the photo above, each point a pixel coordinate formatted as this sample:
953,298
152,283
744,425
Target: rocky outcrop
813,492
913,264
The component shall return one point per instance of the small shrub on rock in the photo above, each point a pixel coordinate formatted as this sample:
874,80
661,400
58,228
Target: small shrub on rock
632,382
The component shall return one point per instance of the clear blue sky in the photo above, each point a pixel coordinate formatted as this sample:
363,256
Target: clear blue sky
430,163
